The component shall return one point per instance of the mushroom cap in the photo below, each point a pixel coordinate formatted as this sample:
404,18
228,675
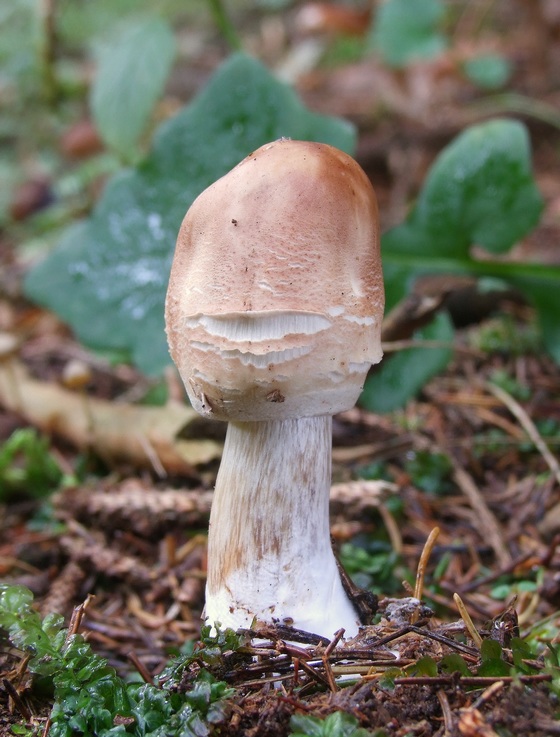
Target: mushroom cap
275,298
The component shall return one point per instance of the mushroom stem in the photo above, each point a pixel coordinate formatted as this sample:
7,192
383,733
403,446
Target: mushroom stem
269,550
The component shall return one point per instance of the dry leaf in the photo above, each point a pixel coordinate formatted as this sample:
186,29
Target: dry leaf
116,432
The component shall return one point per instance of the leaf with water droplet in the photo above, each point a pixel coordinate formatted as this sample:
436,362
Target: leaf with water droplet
109,276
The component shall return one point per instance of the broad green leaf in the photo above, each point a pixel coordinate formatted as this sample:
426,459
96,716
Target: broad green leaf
131,74
402,34
401,376
479,191
490,71
425,666
109,276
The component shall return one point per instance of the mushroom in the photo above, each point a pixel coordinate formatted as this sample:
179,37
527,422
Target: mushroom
273,318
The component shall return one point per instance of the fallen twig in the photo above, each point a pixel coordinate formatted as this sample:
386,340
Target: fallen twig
466,617
528,425
423,563
488,524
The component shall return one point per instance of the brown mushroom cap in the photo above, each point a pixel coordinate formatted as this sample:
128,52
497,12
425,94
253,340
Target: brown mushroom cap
275,298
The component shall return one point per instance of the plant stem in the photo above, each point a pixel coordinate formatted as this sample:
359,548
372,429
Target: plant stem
224,24
466,265
512,102
47,10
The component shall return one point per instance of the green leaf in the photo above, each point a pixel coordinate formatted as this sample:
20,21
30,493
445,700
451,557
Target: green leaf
490,650
521,651
338,724
425,666
26,466
496,668
479,191
402,375
454,663
501,591
15,603
490,71
430,471
109,276
401,36
387,680
132,70
542,289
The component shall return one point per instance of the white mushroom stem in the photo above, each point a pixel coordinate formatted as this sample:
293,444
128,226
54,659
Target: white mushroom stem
269,550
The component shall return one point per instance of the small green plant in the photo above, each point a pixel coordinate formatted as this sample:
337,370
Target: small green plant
338,724
91,699
430,472
108,276
552,665
503,334
27,467
401,37
520,658
375,567
493,441
209,652
508,586
489,71
376,470
492,662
